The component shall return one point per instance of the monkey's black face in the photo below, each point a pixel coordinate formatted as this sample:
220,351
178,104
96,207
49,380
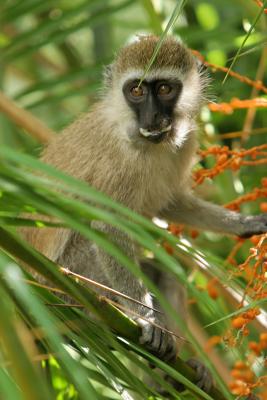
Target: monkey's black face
153,103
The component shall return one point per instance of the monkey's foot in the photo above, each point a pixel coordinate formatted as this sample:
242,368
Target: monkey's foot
203,376
157,341
203,379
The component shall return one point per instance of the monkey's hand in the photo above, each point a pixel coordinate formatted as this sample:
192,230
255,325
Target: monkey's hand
157,341
254,225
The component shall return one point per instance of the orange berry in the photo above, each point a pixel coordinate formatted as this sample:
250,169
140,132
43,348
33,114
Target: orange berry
263,345
264,182
234,207
245,332
212,289
248,376
213,293
222,158
239,322
245,375
236,373
175,229
212,341
239,388
255,239
251,314
263,341
263,207
263,336
240,365
194,233
249,273
254,346
168,248
236,164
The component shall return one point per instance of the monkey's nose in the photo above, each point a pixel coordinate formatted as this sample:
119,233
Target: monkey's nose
165,123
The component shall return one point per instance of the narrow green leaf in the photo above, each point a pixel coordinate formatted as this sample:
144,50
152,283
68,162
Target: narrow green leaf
155,19
238,312
9,388
175,14
27,377
13,277
254,23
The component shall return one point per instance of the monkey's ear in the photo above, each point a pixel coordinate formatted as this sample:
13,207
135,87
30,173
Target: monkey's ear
108,75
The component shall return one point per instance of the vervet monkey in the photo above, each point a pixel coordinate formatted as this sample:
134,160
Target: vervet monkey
138,145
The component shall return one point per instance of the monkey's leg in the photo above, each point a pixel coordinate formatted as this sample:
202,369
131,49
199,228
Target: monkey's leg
196,212
86,258
176,295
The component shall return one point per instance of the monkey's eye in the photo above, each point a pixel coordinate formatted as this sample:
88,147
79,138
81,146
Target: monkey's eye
164,89
137,91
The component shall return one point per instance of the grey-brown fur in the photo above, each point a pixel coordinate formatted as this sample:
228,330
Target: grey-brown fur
172,54
104,149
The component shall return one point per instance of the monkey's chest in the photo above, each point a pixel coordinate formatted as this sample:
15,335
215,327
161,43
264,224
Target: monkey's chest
147,190
144,184
157,193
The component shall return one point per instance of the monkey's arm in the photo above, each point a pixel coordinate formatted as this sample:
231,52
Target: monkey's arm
196,212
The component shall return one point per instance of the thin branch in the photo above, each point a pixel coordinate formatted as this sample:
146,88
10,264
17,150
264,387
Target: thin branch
101,286
251,113
25,119
41,285
236,134
123,308
235,104
135,314
242,78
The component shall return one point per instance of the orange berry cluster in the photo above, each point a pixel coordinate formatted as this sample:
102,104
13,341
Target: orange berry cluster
255,270
234,104
213,341
231,257
244,79
176,230
252,196
212,288
258,347
231,159
260,4
241,321
244,378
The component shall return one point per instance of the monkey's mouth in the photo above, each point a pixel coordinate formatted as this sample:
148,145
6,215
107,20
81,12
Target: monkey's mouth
156,136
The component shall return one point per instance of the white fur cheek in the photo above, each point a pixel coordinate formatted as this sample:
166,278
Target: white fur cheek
120,115
189,100
184,127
